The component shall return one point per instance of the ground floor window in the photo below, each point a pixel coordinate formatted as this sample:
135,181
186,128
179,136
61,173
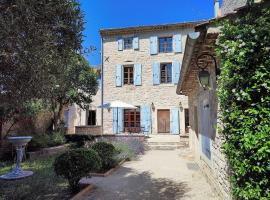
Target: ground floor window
186,120
91,118
132,120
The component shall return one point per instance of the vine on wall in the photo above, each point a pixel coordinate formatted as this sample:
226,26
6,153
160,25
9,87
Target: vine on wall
244,95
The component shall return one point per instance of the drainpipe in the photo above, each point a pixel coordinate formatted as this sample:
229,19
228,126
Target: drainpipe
216,8
102,87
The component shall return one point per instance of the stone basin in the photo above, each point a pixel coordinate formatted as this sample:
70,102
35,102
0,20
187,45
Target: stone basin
20,140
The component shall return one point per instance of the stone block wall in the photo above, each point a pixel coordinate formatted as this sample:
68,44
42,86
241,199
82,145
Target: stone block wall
163,96
88,130
216,168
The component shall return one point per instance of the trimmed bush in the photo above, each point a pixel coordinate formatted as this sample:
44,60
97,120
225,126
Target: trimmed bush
106,151
76,164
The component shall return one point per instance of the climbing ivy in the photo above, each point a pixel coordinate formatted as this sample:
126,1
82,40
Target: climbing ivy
244,95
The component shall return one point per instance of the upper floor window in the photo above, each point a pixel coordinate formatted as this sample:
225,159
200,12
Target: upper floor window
128,74
128,43
165,44
166,73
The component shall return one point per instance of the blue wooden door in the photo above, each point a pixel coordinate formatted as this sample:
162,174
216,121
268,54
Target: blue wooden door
146,121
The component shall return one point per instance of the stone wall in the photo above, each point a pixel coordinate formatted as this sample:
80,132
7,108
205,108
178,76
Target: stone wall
88,130
78,116
163,96
216,168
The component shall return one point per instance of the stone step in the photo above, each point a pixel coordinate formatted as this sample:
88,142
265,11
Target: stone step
166,147
163,143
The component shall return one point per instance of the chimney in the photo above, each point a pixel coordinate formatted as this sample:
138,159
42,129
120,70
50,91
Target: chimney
216,8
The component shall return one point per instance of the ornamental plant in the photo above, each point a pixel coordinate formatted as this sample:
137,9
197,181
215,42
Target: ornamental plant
244,95
107,152
76,164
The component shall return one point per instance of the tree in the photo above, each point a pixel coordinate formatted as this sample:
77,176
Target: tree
36,37
75,83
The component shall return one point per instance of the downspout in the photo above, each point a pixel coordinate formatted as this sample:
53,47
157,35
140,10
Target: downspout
102,83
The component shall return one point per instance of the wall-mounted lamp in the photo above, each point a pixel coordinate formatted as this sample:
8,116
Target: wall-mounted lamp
180,105
153,106
202,63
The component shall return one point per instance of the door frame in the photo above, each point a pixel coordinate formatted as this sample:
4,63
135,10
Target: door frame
164,109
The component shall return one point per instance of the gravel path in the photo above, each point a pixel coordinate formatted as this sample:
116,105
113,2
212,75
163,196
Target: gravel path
156,175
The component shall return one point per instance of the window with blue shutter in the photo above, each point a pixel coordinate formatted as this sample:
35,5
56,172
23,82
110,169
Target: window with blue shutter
120,43
177,43
176,71
156,73
146,118
135,43
153,45
117,120
174,121
137,74
118,75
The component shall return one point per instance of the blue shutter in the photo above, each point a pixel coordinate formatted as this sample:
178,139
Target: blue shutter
137,74
114,120
176,72
118,75
135,43
174,121
156,73
177,43
153,45
146,118
120,43
120,120
66,118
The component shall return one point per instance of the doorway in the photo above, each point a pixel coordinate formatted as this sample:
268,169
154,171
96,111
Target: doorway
91,118
163,121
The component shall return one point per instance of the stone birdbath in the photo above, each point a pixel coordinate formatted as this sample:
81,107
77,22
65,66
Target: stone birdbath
17,172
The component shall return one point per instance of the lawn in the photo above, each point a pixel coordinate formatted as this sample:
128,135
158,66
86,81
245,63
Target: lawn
43,185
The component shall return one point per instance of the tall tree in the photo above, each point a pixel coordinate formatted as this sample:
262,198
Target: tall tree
75,83
36,37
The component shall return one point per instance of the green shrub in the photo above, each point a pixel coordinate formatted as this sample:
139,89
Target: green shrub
76,164
244,88
46,140
57,138
38,142
106,151
79,140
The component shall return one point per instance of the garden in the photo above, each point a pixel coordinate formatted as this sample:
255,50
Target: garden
58,176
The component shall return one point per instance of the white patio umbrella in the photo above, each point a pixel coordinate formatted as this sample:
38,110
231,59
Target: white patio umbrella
117,105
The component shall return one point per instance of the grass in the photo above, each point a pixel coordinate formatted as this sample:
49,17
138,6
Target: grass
43,185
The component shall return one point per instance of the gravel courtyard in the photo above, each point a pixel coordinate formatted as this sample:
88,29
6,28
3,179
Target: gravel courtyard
162,173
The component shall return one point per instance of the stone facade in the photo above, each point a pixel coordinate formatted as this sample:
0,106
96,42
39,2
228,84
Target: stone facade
163,96
79,117
203,125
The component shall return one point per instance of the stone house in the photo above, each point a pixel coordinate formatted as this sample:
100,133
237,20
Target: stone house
85,121
204,139
141,66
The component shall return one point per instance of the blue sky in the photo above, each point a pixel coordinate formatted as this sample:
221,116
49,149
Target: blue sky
101,14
